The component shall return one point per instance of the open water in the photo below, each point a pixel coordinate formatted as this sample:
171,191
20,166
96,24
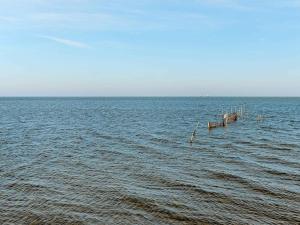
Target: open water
128,161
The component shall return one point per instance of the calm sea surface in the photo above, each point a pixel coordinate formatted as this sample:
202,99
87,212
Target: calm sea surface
128,161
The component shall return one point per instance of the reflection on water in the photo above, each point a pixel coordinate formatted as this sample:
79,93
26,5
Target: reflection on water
128,161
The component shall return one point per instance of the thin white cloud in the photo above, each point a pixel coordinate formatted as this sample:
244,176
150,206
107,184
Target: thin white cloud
110,15
67,42
231,4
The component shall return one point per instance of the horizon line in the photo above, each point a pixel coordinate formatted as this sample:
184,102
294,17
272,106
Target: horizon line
147,96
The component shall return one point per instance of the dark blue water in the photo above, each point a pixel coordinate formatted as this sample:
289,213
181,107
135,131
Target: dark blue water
128,161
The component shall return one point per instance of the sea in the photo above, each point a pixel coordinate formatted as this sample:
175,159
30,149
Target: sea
128,160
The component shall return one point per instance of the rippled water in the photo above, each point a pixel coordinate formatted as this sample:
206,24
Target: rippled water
128,161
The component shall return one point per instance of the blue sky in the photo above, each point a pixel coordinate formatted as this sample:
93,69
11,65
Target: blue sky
149,47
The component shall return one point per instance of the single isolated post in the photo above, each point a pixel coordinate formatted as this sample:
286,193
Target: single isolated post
194,133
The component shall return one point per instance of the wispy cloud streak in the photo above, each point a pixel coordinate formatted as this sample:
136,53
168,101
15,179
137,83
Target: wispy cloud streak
229,4
67,42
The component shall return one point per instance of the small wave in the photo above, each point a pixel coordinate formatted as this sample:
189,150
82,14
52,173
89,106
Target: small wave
35,218
161,140
252,185
271,146
24,187
289,146
102,136
283,175
179,185
158,210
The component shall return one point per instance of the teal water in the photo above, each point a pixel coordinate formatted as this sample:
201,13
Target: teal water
128,161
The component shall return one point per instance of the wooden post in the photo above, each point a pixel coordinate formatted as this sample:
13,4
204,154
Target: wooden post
194,133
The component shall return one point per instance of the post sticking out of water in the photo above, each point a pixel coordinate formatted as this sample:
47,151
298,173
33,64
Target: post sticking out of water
194,133
225,120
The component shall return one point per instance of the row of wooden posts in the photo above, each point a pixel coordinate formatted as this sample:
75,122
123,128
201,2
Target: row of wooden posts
227,118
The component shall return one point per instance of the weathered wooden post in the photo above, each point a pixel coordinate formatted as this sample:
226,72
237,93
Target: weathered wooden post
194,133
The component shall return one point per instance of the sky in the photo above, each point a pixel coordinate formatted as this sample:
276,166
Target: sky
149,47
